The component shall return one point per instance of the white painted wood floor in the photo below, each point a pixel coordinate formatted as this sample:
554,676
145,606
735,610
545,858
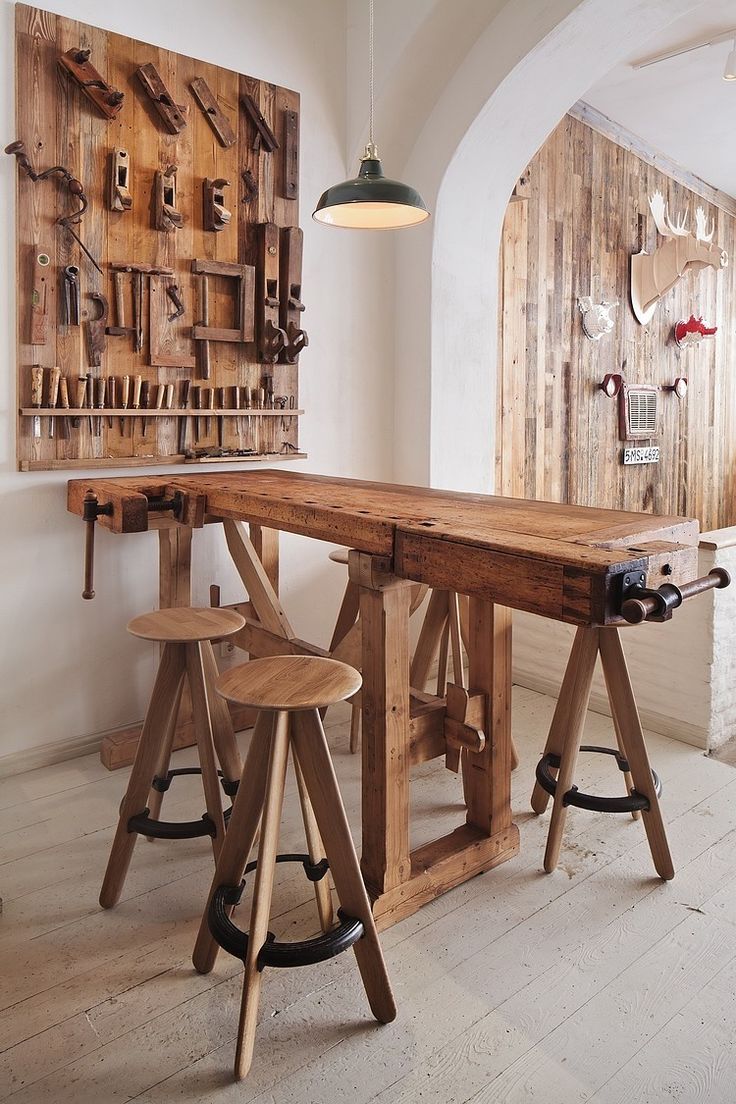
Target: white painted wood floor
598,983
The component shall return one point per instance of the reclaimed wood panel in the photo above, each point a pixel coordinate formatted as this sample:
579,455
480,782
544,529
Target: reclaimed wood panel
59,125
579,211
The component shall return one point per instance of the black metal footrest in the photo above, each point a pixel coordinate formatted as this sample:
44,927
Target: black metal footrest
635,801
305,952
180,829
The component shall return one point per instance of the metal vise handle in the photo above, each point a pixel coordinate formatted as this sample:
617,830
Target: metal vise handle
658,604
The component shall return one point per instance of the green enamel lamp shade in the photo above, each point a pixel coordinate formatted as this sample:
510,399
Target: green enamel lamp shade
371,201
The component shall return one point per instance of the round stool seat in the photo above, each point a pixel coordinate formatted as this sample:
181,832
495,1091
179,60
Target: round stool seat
185,624
340,555
289,682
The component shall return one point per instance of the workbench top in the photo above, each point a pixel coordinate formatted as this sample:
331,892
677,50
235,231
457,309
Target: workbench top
547,557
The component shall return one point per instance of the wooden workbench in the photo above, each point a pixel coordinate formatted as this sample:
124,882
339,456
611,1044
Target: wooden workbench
564,562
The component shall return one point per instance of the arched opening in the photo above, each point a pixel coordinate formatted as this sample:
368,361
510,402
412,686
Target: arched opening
466,162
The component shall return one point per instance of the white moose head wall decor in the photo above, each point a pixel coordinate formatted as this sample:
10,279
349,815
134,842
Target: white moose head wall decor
654,274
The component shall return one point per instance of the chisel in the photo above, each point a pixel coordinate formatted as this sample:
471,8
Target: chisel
111,399
80,399
169,396
54,377
124,397
236,406
184,420
197,405
221,417
248,419
36,397
160,396
64,429
145,399
136,402
260,405
90,403
210,401
99,403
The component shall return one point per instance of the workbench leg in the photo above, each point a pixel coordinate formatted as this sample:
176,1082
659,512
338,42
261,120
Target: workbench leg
384,612
266,543
487,775
174,567
174,590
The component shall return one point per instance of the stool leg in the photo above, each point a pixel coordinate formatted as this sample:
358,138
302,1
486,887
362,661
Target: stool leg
156,797
310,747
316,850
623,701
223,732
164,702
205,741
578,707
240,835
262,891
560,720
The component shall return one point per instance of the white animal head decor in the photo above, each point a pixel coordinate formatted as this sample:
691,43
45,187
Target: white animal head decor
596,317
654,274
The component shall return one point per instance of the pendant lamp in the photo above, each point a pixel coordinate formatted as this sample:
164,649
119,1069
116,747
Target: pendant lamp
371,201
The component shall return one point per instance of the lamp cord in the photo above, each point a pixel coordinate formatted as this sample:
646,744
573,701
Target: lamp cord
370,65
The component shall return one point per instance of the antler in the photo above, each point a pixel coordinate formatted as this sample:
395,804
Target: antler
663,222
702,233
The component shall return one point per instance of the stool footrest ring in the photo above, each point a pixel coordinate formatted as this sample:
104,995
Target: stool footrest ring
180,829
305,952
634,802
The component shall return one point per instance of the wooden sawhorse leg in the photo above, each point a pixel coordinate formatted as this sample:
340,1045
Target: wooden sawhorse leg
565,738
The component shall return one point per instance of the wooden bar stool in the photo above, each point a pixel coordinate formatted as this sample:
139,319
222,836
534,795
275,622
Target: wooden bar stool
186,634
289,691
556,769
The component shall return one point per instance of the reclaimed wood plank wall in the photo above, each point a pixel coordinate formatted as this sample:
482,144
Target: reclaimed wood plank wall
59,126
578,213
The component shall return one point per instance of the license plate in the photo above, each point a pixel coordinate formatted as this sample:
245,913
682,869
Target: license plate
648,455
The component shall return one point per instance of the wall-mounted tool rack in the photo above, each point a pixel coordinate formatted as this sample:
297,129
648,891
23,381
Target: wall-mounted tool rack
116,300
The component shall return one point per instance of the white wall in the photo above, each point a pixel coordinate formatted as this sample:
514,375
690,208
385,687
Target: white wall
69,670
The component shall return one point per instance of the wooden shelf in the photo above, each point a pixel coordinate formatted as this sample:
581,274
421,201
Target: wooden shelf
149,461
129,412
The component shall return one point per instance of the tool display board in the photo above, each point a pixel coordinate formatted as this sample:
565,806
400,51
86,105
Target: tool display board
218,323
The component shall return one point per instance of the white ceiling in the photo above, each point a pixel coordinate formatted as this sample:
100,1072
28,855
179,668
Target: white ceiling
682,107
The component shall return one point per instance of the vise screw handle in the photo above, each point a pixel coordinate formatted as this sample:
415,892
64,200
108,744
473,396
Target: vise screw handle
658,604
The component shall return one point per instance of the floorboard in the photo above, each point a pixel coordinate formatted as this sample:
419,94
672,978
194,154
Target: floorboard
598,983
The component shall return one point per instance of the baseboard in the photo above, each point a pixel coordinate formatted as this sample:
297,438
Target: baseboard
650,719
18,762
